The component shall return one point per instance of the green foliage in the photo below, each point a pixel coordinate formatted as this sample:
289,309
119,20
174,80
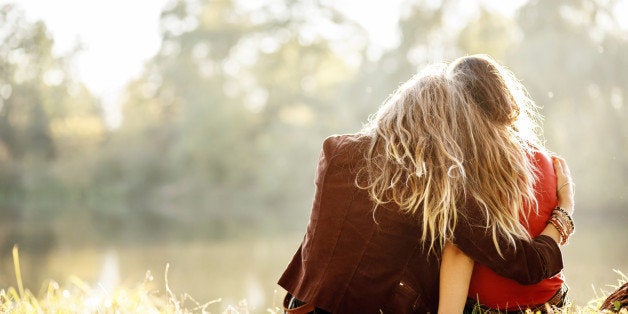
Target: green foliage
221,132
225,113
572,68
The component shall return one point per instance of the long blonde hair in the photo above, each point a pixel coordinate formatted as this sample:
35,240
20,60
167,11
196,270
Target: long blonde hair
451,134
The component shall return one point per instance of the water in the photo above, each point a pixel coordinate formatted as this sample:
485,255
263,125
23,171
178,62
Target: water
236,270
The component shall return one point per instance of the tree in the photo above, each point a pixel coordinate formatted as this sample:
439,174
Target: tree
571,59
46,119
222,130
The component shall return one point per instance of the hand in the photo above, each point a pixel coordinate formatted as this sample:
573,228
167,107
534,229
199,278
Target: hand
564,185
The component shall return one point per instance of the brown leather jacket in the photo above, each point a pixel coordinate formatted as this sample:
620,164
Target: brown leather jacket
354,260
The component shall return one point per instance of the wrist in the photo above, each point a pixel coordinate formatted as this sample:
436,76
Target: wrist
568,206
551,231
562,221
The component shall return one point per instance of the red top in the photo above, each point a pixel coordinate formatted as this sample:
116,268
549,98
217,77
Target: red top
497,292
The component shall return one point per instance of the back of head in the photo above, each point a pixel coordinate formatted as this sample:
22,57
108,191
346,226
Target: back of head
499,169
415,159
450,134
498,93
485,80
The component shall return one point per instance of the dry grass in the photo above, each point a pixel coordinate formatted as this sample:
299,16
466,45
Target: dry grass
76,296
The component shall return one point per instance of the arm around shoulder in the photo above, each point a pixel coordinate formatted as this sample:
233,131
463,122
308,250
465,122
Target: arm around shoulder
527,261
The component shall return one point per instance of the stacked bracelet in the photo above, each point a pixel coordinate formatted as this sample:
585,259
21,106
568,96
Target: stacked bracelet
566,215
563,223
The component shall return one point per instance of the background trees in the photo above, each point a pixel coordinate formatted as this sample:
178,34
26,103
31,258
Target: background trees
221,132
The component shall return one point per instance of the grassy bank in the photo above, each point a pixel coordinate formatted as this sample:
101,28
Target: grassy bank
77,296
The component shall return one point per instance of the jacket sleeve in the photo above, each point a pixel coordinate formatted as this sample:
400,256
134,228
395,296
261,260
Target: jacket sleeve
527,261
300,275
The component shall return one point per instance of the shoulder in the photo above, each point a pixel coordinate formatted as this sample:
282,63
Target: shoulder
542,156
346,146
543,164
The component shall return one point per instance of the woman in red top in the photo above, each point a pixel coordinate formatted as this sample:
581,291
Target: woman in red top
505,110
389,196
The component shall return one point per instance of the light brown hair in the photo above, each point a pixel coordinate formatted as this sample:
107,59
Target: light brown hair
449,134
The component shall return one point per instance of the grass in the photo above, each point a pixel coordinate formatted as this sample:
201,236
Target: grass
77,296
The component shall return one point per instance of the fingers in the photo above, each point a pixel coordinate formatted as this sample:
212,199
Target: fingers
564,167
563,175
558,169
565,185
561,169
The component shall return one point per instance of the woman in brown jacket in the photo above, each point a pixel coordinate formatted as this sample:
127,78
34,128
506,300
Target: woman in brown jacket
387,198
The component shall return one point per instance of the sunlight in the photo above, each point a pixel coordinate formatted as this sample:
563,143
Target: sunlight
140,134
114,38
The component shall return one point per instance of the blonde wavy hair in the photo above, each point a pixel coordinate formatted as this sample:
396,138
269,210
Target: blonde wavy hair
454,134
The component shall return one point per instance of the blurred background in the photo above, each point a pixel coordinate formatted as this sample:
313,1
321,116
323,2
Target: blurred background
135,134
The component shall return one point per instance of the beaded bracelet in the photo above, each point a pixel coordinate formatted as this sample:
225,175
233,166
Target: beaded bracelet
567,215
563,222
561,230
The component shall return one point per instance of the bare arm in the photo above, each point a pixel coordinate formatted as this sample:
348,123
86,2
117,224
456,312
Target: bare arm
565,194
455,274
527,262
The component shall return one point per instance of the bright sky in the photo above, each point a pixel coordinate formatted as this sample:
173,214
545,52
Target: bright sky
118,36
